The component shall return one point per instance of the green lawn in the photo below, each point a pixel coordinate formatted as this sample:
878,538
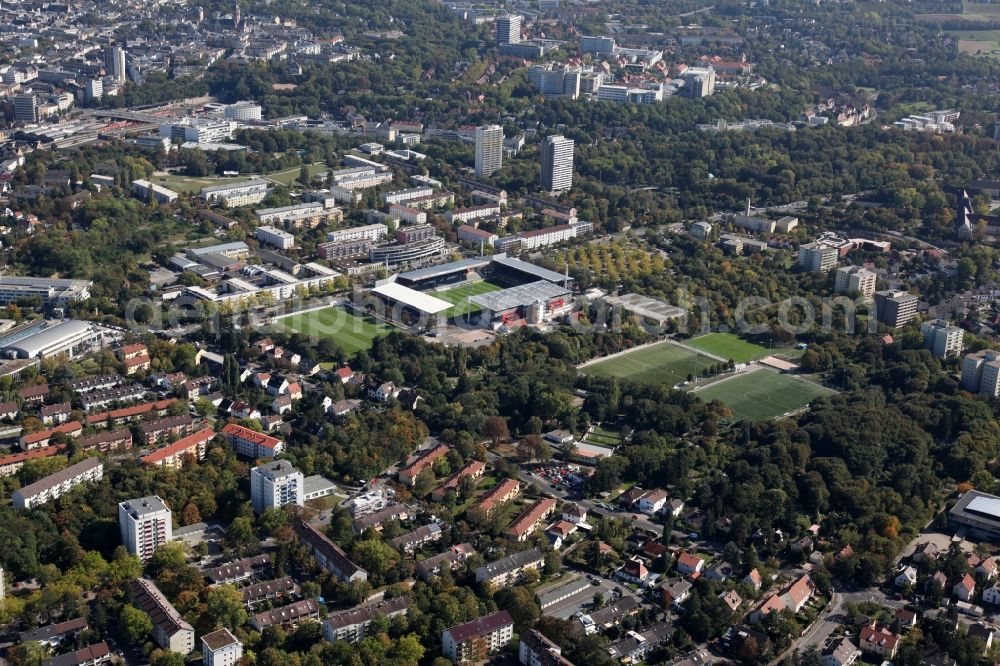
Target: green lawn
762,394
291,176
351,332
663,363
977,42
459,297
603,437
728,346
190,185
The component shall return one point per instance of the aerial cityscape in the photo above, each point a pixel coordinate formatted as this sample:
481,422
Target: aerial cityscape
541,332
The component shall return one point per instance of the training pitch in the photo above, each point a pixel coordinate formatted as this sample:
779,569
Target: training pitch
351,332
728,346
662,363
762,394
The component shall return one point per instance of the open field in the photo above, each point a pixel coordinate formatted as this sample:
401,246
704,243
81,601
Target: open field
977,42
979,13
351,332
762,394
458,296
289,176
663,363
728,346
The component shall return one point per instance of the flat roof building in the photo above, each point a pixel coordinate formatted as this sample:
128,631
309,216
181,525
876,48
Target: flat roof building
895,309
942,338
979,513
69,338
474,641
850,279
51,291
274,485
221,648
981,372
146,524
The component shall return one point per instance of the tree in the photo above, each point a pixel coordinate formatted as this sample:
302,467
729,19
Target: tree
167,658
407,650
224,605
240,536
496,429
134,624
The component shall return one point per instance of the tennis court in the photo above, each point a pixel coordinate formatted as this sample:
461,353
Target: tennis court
762,394
351,332
662,363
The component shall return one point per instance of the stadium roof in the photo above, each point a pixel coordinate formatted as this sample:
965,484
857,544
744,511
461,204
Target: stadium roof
515,297
412,298
530,269
431,272
644,306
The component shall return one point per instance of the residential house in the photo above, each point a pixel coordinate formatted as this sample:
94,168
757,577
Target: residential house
329,555
689,564
987,569
54,414
907,577
220,648
633,571
575,514
793,598
753,579
674,507
675,591
432,566
732,599
535,649
879,641
841,652
965,589
473,470
53,635
269,591
652,502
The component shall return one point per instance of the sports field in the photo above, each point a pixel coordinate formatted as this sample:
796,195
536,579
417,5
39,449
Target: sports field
728,346
459,297
351,332
662,363
603,437
762,394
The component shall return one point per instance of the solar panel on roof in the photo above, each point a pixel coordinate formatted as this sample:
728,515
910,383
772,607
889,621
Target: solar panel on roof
987,505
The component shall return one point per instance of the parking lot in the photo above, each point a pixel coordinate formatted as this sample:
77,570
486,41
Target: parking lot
584,600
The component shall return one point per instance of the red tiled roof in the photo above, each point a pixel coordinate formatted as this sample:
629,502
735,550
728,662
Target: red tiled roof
192,441
42,435
236,430
528,518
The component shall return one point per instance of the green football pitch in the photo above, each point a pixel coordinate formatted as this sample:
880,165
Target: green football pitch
458,296
350,331
728,346
762,394
662,363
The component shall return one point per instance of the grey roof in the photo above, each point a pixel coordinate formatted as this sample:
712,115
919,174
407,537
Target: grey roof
512,562
59,477
144,505
529,268
277,469
444,269
236,246
367,612
30,346
515,297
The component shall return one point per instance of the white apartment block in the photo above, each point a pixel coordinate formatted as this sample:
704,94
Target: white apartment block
148,191
402,196
364,181
290,214
472,213
532,240
220,648
942,338
372,232
489,150
274,485
233,195
817,257
407,214
60,483
557,164
146,524
981,373
274,237
850,279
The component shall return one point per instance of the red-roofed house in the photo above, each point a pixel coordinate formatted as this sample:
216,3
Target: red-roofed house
689,564
252,444
634,571
965,589
344,374
753,579
987,569
879,641
793,598
495,497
